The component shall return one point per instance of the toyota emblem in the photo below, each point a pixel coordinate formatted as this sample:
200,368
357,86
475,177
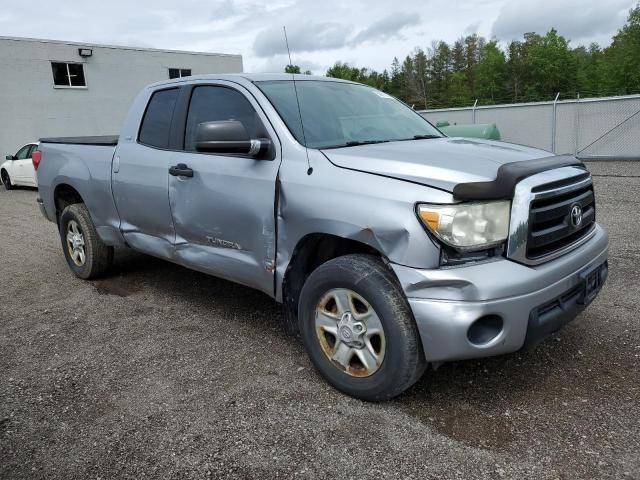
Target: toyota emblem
576,215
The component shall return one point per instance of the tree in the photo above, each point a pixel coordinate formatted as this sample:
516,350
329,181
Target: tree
409,84
517,68
458,60
439,71
420,65
472,46
292,69
552,65
346,72
593,74
458,90
491,73
372,78
624,54
395,87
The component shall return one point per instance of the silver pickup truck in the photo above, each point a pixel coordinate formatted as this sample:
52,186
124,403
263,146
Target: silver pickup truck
390,245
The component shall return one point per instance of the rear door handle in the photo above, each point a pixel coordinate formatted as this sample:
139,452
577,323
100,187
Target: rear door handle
181,170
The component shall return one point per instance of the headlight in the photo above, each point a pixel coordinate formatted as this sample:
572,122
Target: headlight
468,226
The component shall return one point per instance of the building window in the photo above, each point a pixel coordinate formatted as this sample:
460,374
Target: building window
68,74
179,72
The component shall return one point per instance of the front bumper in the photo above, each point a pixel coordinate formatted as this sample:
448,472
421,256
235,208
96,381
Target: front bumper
446,302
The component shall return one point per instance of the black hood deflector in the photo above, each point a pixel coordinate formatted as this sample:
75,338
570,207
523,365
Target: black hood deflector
509,174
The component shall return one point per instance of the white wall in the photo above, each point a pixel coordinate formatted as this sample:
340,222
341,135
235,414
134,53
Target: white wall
31,108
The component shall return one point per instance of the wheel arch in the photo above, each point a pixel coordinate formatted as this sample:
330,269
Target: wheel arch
310,252
65,195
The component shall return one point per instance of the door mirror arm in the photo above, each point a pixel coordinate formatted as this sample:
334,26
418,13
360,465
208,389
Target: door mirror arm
10,157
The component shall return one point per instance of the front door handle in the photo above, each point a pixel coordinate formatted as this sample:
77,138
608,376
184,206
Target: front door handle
181,170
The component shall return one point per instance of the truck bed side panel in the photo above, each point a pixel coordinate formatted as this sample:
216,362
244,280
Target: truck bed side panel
87,169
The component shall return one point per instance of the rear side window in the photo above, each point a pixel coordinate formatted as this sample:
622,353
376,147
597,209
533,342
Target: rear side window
220,103
156,123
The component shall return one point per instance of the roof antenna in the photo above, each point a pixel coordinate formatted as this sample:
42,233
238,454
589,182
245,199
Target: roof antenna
293,77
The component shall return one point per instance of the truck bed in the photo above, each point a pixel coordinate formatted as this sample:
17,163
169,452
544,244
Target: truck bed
83,165
106,140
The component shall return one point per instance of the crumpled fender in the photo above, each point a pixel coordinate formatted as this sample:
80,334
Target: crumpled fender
367,208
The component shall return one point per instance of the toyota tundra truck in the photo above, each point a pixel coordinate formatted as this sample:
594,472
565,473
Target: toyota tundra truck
390,245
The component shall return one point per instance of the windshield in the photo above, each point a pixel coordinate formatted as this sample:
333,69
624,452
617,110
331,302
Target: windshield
337,114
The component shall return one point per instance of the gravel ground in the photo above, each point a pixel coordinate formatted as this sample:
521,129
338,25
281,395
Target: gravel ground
161,372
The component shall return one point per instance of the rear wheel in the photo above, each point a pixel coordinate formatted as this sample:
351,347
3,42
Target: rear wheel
6,180
87,256
358,328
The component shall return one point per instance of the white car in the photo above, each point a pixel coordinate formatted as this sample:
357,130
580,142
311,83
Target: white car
18,169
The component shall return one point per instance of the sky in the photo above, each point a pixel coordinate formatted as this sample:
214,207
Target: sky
321,32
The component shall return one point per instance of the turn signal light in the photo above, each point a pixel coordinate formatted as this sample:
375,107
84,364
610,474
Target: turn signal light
431,219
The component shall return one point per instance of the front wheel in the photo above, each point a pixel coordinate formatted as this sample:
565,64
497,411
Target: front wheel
87,256
6,180
358,328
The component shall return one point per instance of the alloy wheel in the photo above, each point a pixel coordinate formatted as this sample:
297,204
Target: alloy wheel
75,243
350,332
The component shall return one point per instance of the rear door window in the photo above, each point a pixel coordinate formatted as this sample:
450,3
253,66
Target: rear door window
156,124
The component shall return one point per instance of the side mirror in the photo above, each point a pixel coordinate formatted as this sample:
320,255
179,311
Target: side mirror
10,157
228,136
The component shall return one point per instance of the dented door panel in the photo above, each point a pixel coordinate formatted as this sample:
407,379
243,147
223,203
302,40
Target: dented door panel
224,218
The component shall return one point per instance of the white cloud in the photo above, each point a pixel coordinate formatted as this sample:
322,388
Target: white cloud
362,32
303,37
389,27
577,20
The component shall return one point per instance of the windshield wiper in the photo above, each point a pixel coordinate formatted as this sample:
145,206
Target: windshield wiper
417,137
355,143
423,137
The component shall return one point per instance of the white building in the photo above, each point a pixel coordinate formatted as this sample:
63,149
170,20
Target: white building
51,88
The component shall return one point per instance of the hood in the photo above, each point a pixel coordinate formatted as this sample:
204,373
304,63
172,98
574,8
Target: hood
438,162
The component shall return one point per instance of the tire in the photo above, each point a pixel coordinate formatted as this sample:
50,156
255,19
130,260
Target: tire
6,180
97,257
375,302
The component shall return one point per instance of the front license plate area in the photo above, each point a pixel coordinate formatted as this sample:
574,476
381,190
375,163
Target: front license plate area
592,281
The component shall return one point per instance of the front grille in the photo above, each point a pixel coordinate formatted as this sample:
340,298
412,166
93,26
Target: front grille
550,219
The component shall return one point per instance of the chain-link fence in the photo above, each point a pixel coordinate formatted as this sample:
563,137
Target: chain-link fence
592,127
